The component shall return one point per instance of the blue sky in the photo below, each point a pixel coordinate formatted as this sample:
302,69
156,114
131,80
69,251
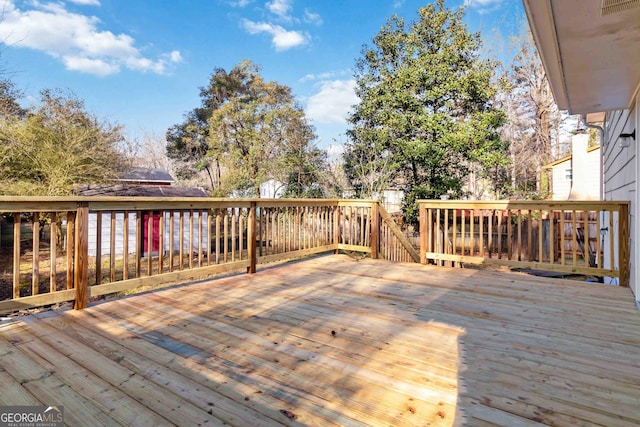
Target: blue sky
140,63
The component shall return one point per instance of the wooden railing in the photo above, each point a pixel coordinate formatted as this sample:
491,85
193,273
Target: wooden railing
72,249
588,238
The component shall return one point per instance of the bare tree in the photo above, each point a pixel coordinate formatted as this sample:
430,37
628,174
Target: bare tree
534,119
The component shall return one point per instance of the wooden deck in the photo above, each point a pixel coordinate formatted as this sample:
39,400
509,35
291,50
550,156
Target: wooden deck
334,341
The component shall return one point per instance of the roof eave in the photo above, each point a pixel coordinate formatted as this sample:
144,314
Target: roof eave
540,16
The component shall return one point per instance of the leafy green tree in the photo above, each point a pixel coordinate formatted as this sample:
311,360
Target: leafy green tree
308,175
246,131
261,133
426,104
187,142
9,105
52,147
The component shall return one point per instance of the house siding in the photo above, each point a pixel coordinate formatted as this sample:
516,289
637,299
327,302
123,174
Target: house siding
577,176
119,233
620,166
561,183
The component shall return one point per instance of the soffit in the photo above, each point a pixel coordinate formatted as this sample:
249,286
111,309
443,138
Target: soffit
593,61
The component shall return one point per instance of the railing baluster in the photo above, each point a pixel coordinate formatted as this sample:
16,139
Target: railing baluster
599,263
530,253
181,240
510,236
481,233
520,235
200,236
240,233
161,242
574,234
53,254
191,237
125,245
217,239
98,248
225,233
500,215
563,237
139,242
540,236
71,224
552,236
209,235
35,253
112,248
490,233
472,233
16,255
233,236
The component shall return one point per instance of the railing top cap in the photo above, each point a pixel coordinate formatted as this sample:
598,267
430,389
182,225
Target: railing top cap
523,202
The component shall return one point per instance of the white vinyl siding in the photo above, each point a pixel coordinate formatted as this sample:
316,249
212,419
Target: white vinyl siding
119,232
620,176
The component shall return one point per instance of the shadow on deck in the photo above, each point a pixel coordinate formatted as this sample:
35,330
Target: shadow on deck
332,341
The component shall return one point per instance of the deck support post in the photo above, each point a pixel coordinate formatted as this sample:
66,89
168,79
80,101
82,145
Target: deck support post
251,238
422,212
623,244
81,257
375,229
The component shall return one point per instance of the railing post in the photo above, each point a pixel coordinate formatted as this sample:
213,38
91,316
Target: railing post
422,215
375,229
81,257
251,237
623,244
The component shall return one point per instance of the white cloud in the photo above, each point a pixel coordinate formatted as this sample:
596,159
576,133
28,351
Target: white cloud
321,76
75,40
86,2
174,56
280,8
482,3
333,102
484,6
328,75
335,152
312,18
97,67
282,39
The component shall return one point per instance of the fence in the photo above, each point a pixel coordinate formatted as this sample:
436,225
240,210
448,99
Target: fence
70,249
576,237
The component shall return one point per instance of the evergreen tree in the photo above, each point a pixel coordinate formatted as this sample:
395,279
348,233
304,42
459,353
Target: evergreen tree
426,106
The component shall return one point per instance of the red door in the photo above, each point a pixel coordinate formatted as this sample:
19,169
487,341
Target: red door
155,233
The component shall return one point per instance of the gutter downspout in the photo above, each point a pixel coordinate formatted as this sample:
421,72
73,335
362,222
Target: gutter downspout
601,130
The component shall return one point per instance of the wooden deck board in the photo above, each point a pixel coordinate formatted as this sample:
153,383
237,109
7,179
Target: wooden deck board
332,341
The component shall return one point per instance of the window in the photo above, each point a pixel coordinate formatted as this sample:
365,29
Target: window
568,174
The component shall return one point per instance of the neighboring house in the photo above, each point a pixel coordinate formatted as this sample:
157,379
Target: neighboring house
140,183
272,189
590,51
391,199
573,177
146,176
